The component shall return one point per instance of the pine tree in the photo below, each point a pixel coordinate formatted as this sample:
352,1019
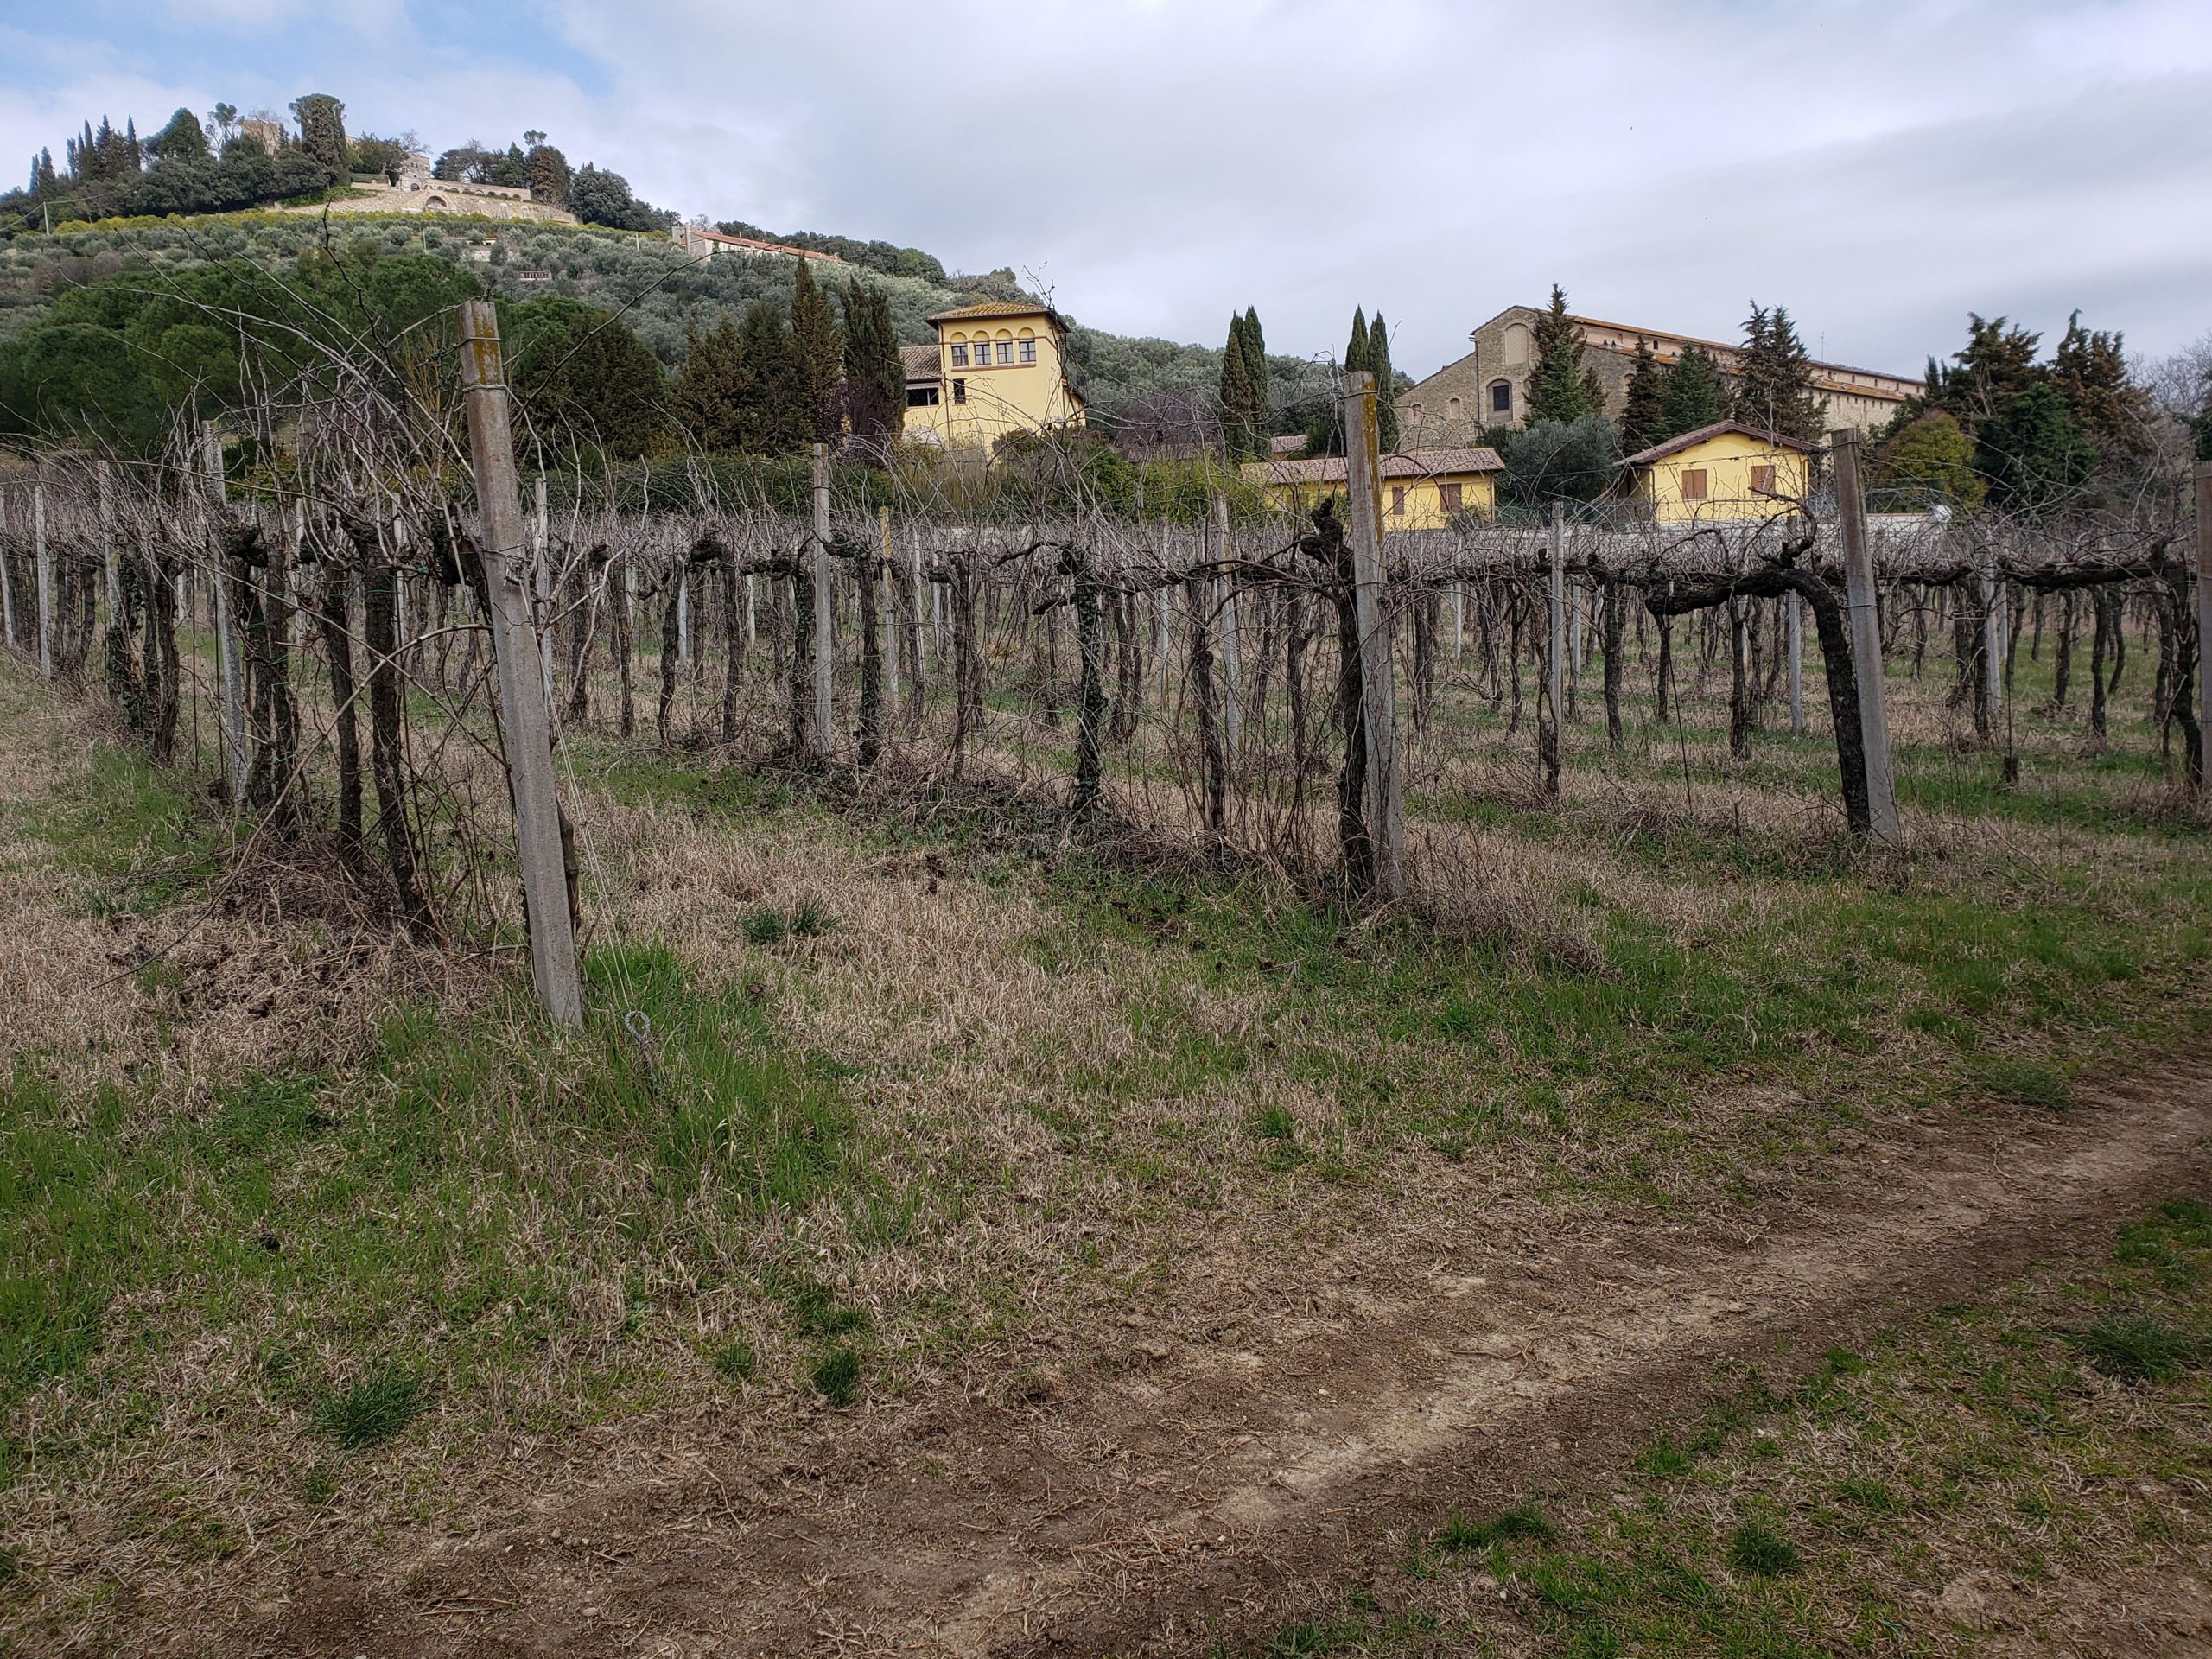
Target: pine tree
876,372
1644,419
1774,378
2033,454
1694,395
1386,384
1559,387
1988,377
183,140
817,355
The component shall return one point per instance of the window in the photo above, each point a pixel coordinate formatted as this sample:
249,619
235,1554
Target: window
1452,409
1762,480
960,391
1397,501
1501,397
1693,484
1006,351
921,396
1029,351
1449,497
959,356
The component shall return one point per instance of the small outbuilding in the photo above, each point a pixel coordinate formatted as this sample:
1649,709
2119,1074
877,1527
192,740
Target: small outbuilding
1722,472
1422,489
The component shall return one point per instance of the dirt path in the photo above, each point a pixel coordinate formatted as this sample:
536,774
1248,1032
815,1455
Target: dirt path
1197,1484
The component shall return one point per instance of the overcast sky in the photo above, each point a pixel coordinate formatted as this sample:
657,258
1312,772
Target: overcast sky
1881,168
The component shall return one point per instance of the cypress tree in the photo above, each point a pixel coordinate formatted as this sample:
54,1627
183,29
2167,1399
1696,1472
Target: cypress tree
1236,434
1774,378
1256,366
1356,349
713,395
875,373
817,356
1559,387
1386,384
1694,394
775,418
2034,454
1644,419
323,133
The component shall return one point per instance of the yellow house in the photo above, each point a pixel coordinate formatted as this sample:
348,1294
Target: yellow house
996,368
1720,472
1422,489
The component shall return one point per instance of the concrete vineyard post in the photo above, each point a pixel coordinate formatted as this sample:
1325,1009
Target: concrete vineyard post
1865,638
2204,614
890,599
1993,630
8,588
111,559
1232,711
1794,623
515,647
542,582
226,643
43,571
1379,711
1555,645
824,734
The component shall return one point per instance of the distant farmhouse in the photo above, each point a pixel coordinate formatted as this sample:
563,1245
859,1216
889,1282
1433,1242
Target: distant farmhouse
1489,387
414,191
1422,489
996,368
703,245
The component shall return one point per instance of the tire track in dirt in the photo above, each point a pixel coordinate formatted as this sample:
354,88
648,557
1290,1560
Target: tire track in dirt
1214,1491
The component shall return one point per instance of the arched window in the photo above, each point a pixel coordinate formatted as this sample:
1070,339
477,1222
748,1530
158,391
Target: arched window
1501,397
1452,409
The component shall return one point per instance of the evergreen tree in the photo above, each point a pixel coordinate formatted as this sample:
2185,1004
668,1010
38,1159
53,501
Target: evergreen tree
1693,396
1643,418
1559,387
875,373
1356,349
44,180
323,133
546,171
1255,368
584,379
1774,378
817,355
1386,384
1238,437
713,398
777,418
1927,463
1998,365
183,140
2090,371
2034,455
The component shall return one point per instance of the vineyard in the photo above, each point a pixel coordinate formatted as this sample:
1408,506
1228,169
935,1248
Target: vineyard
588,1051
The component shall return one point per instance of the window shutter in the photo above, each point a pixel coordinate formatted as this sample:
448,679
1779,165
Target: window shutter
1693,484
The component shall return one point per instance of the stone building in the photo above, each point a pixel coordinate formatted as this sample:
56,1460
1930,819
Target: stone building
416,191
1489,387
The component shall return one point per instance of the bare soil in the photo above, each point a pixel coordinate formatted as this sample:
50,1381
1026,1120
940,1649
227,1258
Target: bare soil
1206,1471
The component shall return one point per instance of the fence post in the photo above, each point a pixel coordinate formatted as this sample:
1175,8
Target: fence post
1866,638
110,560
1555,661
1994,627
522,691
226,643
1795,627
541,585
1232,712
7,583
1378,690
890,599
825,744
44,568
2203,620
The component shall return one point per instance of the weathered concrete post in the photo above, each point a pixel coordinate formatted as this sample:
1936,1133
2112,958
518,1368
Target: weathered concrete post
1865,638
1555,644
1160,652
825,737
541,585
514,642
1794,624
1994,631
111,557
227,642
1232,708
890,597
1386,822
7,587
2204,617
43,569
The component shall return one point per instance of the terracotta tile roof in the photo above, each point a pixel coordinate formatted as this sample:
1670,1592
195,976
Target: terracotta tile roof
1676,446
920,362
998,308
1288,447
1418,463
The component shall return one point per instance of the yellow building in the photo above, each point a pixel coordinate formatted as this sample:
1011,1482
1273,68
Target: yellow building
996,368
1422,489
1721,472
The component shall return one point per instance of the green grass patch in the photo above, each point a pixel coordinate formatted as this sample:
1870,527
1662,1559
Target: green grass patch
371,1410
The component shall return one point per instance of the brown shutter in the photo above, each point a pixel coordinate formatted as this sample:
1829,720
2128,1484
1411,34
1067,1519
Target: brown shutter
1693,484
